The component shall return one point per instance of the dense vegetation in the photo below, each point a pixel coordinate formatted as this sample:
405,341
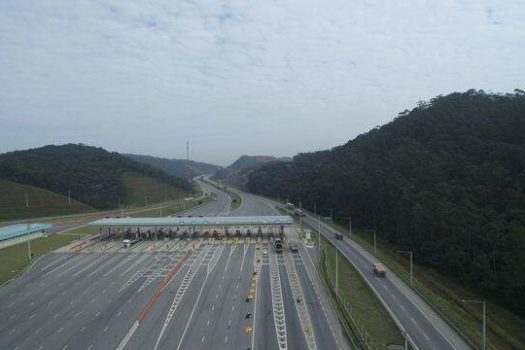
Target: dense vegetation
446,180
94,175
176,167
237,173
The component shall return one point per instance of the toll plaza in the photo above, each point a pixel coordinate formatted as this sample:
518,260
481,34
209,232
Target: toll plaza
191,227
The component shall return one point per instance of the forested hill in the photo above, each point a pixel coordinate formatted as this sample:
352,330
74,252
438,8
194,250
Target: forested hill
237,173
176,167
95,176
446,180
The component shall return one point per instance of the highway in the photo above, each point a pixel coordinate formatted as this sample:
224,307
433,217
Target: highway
176,294
425,328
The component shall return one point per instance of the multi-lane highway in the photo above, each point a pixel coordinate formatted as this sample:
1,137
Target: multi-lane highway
236,293
424,327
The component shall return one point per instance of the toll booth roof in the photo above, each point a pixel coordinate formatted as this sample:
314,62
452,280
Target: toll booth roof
194,221
8,232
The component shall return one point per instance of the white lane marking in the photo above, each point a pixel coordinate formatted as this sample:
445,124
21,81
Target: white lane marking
38,330
119,313
105,329
208,323
233,308
56,315
77,314
212,307
202,340
426,336
226,339
65,347
217,254
40,347
12,330
89,347
82,329
128,336
96,315
412,318
12,316
60,330
33,315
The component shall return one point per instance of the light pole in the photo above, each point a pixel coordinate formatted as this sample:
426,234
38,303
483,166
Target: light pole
375,250
336,272
409,252
482,302
29,248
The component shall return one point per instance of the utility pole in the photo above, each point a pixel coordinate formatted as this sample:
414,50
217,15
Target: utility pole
187,150
375,250
483,303
315,208
350,224
300,217
27,201
29,243
319,233
69,194
409,252
336,272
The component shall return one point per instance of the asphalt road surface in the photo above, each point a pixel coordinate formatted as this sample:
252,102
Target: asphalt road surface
178,294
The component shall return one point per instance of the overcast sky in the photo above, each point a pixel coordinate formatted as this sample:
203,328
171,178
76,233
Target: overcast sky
236,77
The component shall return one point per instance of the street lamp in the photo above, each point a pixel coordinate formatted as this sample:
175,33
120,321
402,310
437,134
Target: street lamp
409,252
482,302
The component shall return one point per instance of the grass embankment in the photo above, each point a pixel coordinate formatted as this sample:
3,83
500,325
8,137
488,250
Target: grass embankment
236,200
505,330
41,202
363,312
143,190
14,259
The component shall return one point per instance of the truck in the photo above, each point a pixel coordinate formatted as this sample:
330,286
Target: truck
379,270
278,243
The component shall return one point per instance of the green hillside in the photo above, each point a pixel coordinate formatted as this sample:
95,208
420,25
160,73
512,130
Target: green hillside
92,175
142,190
40,202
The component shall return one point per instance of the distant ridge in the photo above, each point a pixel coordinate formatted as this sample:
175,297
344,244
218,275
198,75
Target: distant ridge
176,167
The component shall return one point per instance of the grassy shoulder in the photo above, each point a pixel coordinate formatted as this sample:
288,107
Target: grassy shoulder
14,259
368,318
144,190
40,202
505,330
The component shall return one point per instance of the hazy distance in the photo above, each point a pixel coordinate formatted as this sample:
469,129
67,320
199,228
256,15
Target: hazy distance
238,77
